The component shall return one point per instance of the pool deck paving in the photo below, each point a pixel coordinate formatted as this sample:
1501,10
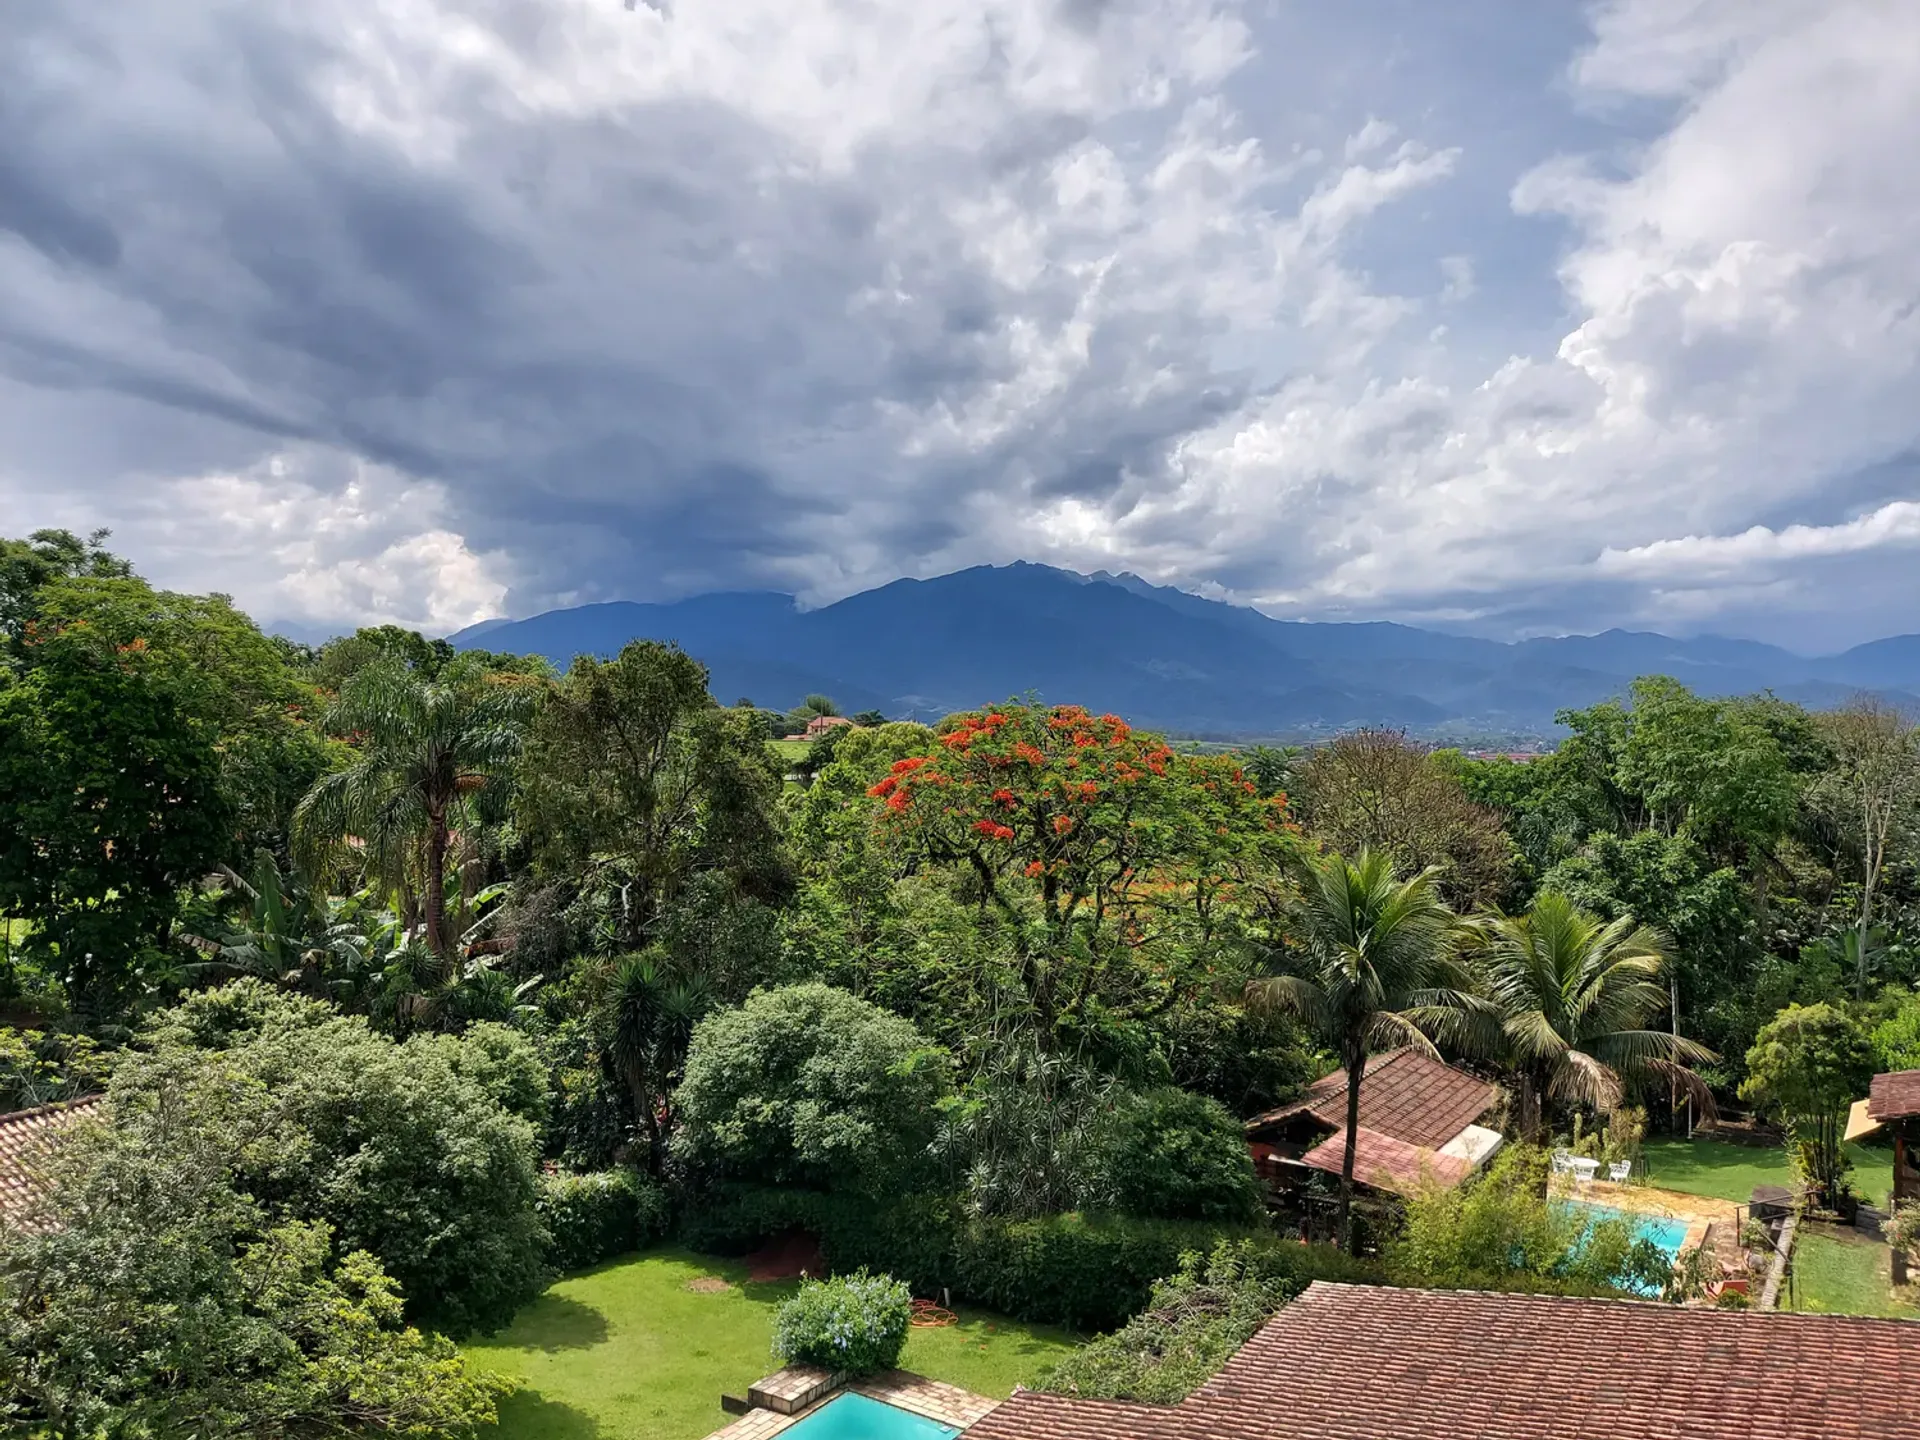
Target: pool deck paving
934,1399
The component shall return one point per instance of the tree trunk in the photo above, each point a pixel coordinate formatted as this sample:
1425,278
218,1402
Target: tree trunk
436,884
1356,1068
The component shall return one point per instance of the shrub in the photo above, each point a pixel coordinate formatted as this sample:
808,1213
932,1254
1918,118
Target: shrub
397,1147
594,1217
1194,1321
852,1324
1088,1273
1902,1228
154,1297
1500,1232
811,1086
1171,1154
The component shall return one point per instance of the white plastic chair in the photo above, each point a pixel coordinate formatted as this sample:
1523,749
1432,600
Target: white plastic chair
1563,1162
1618,1171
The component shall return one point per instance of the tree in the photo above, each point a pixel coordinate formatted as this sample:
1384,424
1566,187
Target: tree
110,802
425,750
1573,995
1084,846
151,1296
26,566
633,783
1873,782
648,1011
870,718
1170,1154
1807,1067
1375,789
1376,959
809,1086
408,1151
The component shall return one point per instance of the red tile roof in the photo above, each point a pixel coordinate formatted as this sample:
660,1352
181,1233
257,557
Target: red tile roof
1348,1362
1894,1096
26,1136
1403,1093
1386,1163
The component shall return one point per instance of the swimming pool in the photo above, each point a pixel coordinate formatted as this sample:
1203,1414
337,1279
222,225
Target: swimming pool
1670,1235
855,1417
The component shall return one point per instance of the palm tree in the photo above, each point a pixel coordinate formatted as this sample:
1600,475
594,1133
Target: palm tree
648,1009
426,748
1574,994
1379,956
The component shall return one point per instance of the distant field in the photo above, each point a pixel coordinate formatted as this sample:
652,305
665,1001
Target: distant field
791,749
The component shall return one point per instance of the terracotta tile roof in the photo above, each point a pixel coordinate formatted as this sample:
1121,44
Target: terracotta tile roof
1403,1093
1347,1362
1894,1096
1386,1163
25,1138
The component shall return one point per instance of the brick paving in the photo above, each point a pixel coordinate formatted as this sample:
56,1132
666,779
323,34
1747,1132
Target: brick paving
935,1399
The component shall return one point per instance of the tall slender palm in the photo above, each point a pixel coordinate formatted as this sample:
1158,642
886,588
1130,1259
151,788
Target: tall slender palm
426,747
1574,995
1379,973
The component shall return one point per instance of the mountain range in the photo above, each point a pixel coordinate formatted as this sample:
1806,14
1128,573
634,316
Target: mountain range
1173,660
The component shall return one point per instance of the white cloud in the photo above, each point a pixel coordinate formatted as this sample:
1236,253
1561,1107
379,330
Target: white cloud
1757,549
595,301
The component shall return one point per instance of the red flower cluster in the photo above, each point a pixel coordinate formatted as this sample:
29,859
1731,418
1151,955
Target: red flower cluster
1036,869
910,764
884,787
993,829
1029,753
1062,824
1005,797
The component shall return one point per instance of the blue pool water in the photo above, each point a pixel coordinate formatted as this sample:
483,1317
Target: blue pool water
1669,1235
855,1417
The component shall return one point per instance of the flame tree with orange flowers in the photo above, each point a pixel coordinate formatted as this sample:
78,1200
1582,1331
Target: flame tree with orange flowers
1088,839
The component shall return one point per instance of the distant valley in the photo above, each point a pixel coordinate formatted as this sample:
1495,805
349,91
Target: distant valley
1172,660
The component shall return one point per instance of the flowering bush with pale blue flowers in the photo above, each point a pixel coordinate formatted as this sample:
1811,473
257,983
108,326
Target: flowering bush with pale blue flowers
854,1323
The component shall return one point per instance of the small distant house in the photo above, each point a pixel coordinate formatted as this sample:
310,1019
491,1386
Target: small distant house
1418,1117
821,724
1893,1105
27,1139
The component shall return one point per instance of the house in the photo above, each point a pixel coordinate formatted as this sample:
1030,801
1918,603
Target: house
27,1138
1893,1104
1364,1362
821,724
1417,1117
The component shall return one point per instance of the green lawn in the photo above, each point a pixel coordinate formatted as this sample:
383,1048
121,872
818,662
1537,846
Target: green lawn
791,749
627,1352
1835,1271
1841,1272
1729,1172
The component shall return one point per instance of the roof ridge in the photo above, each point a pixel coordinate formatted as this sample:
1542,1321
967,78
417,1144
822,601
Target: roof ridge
1546,1297
51,1107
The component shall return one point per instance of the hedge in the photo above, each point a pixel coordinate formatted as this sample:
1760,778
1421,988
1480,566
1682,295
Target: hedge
1089,1273
594,1217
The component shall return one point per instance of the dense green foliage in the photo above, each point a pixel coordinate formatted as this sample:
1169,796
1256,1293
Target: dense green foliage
1193,1322
1806,1067
810,1086
594,1217
1500,1231
160,1293
404,1150
462,970
850,1324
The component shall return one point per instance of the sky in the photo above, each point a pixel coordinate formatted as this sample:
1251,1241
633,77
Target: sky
1513,317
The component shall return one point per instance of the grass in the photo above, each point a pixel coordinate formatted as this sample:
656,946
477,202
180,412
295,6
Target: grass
627,1351
1835,1271
1729,1172
791,749
1842,1272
